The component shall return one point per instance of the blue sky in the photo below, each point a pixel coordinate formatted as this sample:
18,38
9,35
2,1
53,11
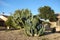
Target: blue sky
8,6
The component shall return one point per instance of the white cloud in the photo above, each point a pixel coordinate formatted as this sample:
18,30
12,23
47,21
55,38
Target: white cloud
4,3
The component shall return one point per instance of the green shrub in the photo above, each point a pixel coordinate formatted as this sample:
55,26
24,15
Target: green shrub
34,27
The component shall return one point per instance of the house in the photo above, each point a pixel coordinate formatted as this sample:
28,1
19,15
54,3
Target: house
53,24
3,19
56,24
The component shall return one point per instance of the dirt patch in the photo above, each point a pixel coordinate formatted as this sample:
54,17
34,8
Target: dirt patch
19,35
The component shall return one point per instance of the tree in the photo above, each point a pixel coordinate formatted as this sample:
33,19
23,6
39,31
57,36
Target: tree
21,16
17,20
46,13
24,19
9,21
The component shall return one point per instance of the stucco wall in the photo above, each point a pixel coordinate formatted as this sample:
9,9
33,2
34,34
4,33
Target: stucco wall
53,24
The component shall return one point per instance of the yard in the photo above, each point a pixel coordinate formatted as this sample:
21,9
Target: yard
19,35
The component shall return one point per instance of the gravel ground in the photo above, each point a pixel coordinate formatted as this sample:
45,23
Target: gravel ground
19,35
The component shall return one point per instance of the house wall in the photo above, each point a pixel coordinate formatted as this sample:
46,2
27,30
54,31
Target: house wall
53,24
